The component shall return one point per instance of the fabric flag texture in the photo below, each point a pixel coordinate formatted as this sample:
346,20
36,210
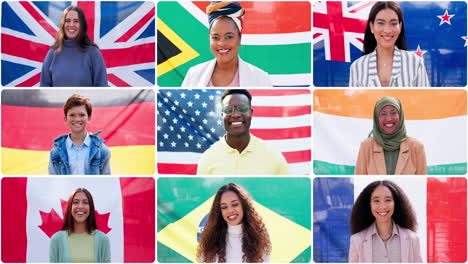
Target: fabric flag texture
184,203
343,119
32,119
435,30
189,122
275,37
124,32
439,204
33,210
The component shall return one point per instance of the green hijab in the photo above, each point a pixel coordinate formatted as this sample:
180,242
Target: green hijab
389,142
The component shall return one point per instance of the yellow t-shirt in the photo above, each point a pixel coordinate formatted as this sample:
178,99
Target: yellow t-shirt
259,157
81,247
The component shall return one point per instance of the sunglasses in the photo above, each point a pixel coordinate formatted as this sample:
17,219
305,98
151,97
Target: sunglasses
242,109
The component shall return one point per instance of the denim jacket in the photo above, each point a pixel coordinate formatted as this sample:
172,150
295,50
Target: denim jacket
98,160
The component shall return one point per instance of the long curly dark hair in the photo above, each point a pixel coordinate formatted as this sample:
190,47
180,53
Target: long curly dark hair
362,217
255,239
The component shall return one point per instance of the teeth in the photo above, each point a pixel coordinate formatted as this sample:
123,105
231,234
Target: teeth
223,51
389,125
383,214
232,217
80,213
236,123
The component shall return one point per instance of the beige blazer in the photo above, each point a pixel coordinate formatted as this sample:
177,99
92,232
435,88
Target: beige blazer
411,160
360,249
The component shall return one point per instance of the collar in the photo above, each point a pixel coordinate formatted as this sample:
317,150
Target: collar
396,67
250,147
242,70
234,230
373,229
70,43
86,142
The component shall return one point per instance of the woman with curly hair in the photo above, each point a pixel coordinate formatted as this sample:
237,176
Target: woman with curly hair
234,231
383,226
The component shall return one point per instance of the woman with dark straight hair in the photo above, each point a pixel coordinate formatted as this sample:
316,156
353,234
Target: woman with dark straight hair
80,240
234,232
386,61
74,59
383,226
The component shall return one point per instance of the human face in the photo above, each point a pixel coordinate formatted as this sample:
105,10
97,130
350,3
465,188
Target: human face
80,208
231,208
77,119
382,204
237,124
224,40
389,119
72,25
386,28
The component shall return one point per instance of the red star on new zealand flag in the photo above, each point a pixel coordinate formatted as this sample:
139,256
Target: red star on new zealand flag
420,52
445,18
466,40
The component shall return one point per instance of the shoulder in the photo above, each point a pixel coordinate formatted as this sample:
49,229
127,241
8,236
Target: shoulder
414,143
360,236
409,234
60,139
101,236
368,142
360,61
264,145
60,235
201,67
215,148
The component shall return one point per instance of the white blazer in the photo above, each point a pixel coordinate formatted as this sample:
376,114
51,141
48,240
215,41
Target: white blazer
249,75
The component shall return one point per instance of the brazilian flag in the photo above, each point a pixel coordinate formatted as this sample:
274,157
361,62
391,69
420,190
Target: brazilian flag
276,38
283,203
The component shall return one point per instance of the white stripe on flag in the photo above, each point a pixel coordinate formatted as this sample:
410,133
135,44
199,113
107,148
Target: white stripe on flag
415,189
282,101
337,139
44,194
280,122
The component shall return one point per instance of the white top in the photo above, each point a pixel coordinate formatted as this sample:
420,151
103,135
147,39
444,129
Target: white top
249,75
234,244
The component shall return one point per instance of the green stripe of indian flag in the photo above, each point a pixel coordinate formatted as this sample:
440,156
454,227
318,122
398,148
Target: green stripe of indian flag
337,139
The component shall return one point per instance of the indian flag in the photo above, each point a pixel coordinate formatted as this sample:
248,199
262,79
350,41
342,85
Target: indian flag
32,119
439,205
184,203
276,38
33,210
343,119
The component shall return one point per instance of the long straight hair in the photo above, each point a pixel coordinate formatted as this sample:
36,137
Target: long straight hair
369,40
69,223
82,39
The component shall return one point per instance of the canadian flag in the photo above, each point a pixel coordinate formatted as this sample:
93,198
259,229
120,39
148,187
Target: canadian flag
33,210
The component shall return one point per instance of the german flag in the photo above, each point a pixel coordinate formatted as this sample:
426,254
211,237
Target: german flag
276,38
283,203
32,119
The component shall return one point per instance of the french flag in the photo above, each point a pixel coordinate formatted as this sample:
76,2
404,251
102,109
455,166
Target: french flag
439,204
33,210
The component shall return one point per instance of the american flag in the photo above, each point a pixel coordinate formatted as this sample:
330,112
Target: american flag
124,32
189,122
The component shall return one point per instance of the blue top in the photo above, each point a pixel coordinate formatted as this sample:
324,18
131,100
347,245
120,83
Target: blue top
74,67
59,252
77,156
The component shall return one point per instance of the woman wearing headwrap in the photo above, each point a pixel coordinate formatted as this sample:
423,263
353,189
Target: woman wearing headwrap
390,151
227,69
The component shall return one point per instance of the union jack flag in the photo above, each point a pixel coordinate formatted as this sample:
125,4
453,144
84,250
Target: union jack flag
434,30
124,32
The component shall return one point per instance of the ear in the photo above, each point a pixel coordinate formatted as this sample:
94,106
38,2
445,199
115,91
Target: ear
65,119
371,25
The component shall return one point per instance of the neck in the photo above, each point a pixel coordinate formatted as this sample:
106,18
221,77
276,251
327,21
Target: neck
78,138
385,52
230,66
79,228
238,142
384,229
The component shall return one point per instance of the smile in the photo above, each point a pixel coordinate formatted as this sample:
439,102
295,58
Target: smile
233,217
388,38
389,125
383,214
223,51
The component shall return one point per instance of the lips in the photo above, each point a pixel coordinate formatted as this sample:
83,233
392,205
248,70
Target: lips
236,124
382,213
233,217
387,38
223,51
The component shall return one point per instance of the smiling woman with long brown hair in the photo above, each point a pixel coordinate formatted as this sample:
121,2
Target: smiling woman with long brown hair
234,232
80,240
74,59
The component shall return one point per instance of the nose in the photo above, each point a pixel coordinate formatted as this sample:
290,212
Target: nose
235,112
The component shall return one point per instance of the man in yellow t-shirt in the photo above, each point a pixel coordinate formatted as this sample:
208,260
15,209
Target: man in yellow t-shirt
239,152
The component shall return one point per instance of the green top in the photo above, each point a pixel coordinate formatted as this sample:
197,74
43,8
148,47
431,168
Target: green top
81,247
391,159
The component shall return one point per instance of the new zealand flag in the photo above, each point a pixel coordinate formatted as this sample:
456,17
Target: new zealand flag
124,32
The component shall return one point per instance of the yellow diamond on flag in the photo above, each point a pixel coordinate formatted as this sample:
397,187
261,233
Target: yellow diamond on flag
187,53
288,239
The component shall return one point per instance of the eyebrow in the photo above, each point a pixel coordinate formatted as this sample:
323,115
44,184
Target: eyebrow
76,199
228,33
231,201
383,20
379,197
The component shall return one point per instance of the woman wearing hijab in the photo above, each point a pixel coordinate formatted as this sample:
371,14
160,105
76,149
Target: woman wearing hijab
390,151
227,69
74,59
385,60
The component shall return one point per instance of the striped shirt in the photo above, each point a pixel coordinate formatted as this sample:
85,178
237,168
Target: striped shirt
389,252
407,71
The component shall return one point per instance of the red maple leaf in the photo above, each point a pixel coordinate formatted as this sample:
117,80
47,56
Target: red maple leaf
52,222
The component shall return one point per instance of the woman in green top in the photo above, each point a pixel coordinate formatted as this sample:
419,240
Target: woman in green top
390,151
80,240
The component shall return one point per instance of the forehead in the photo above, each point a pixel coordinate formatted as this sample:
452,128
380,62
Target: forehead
387,14
381,191
223,25
72,15
236,99
77,109
229,196
388,108
80,196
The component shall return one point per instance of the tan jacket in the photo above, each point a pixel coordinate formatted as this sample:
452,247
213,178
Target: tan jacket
360,249
411,160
